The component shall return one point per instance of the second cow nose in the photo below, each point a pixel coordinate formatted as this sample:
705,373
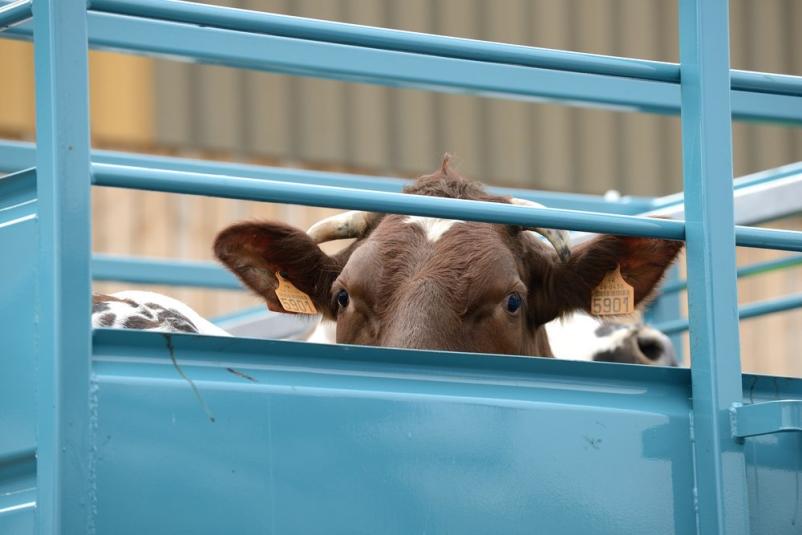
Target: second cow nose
656,347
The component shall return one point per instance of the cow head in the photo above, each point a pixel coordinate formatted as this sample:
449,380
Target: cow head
417,282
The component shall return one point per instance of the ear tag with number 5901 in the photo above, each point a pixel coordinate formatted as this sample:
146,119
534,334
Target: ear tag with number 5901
613,296
293,299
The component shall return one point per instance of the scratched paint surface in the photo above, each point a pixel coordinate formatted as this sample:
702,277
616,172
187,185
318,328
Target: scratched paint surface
342,443
338,439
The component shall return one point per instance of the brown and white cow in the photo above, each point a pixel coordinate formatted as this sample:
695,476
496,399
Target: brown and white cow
575,337
417,282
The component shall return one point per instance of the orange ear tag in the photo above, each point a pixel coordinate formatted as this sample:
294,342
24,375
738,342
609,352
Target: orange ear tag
613,296
293,299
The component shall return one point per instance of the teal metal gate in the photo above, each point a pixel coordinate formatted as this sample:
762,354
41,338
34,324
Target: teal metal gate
100,434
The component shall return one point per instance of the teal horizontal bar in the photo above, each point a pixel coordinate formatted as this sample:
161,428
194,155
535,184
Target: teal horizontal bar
752,310
421,43
766,238
766,418
396,68
14,13
379,201
162,271
397,203
16,155
761,177
746,271
387,39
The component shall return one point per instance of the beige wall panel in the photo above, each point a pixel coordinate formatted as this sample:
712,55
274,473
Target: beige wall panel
640,145
460,117
265,108
17,108
216,113
739,59
669,158
509,139
320,104
216,108
173,110
768,50
795,65
414,149
595,141
553,132
367,129
112,227
121,97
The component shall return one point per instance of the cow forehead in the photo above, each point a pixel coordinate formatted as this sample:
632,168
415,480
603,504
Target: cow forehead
459,255
433,227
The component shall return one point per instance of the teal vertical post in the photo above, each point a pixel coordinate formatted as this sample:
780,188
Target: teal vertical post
64,487
710,236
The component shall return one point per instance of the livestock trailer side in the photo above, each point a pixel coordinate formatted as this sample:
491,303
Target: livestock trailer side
127,432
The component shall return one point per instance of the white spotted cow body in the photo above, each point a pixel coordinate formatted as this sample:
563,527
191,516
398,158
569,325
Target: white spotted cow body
149,311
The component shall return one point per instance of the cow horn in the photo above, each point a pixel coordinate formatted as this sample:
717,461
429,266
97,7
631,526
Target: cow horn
340,227
560,239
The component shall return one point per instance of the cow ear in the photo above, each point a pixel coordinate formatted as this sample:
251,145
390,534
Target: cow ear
256,251
568,286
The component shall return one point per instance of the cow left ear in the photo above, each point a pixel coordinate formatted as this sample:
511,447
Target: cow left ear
568,286
257,251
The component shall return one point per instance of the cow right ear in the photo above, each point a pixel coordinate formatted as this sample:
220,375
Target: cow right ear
256,251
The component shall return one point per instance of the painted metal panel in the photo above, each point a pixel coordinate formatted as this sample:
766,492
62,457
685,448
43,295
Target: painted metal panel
328,439
18,240
334,439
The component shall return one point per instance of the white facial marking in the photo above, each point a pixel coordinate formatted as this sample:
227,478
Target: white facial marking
432,226
324,333
574,338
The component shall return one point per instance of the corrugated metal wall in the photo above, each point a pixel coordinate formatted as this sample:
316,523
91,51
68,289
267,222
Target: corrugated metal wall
327,123
209,111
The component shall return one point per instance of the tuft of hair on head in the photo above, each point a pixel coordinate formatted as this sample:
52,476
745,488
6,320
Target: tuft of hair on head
447,157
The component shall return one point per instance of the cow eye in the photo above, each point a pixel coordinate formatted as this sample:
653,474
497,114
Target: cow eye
513,303
342,298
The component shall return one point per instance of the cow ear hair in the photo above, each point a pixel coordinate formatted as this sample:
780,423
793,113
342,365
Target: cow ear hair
563,287
256,251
